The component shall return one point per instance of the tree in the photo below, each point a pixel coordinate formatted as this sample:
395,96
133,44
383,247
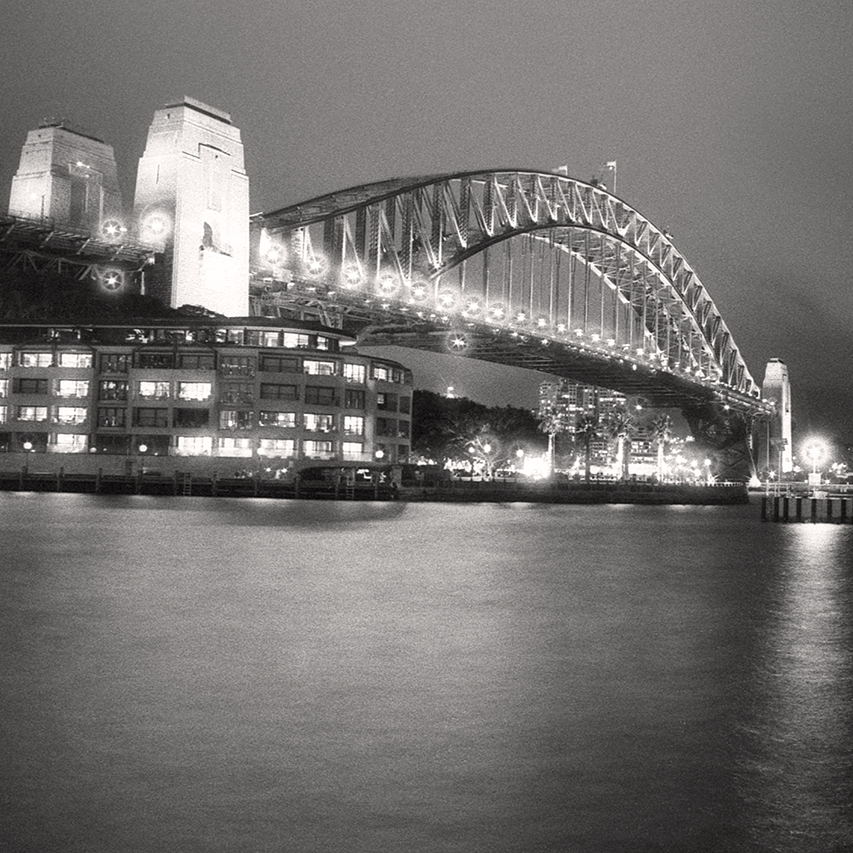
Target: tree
661,434
587,430
621,427
443,428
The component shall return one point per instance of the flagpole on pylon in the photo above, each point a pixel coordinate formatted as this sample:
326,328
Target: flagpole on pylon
611,164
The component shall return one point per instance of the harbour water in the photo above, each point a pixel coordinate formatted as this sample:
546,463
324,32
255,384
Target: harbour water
199,674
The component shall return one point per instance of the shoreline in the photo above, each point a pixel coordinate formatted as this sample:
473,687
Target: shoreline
558,493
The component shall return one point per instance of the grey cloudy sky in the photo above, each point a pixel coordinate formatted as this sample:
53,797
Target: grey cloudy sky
731,122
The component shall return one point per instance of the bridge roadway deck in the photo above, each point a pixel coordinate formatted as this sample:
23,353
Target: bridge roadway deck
659,388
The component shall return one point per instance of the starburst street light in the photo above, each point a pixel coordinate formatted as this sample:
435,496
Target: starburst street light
815,451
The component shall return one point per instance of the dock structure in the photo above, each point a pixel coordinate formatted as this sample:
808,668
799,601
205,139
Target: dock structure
818,508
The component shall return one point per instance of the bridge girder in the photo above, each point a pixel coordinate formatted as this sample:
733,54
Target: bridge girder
521,251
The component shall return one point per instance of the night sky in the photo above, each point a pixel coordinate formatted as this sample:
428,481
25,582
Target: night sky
730,121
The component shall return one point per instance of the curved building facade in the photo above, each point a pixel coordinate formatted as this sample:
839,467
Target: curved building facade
201,395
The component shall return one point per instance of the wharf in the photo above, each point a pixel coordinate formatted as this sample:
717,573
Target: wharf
820,508
183,484
190,486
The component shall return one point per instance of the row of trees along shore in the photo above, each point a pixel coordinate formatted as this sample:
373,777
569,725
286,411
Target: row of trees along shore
459,430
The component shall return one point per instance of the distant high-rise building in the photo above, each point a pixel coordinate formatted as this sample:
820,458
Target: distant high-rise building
68,177
192,197
777,453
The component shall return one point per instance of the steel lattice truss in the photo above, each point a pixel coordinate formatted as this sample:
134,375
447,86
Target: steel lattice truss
519,257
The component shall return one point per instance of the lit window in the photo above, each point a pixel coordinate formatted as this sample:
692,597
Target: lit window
234,447
3,415
73,388
318,448
36,359
75,359
70,414
194,445
277,447
353,449
32,413
323,343
319,368
154,390
319,423
235,419
382,371
70,443
292,340
355,372
269,339
4,387
277,419
5,360
353,425
194,390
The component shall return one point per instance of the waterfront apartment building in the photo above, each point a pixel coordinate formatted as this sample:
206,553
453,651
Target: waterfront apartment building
198,395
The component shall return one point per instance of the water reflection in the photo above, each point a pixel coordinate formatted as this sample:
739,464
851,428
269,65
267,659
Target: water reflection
796,777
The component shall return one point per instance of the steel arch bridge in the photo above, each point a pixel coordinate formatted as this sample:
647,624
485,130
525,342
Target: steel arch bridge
525,268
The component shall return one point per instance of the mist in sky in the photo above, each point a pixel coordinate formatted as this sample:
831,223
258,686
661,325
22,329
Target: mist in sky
730,122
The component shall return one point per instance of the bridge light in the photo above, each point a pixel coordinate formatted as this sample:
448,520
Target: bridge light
611,342
446,299
497,312
579,332
473,306
112,229
596,337
561,328
542,322
520,317
420,291
315,266
351,276
274,255
387,284
156,226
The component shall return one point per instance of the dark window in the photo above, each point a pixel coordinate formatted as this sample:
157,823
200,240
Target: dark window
403,429
197,361
115,363
237,392
406,405
155,445
192,417
320,395
117,444
155,360
236,365
111,389
353,399
111,417
386,426
280,364
387,402
151,417
31,386
270,391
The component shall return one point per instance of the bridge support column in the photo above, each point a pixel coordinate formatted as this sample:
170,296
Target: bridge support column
726,436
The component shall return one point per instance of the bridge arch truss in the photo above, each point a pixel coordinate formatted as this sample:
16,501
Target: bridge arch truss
525,252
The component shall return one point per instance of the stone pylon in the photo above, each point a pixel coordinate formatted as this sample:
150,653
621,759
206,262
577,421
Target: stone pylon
192,199
68,178
777,452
